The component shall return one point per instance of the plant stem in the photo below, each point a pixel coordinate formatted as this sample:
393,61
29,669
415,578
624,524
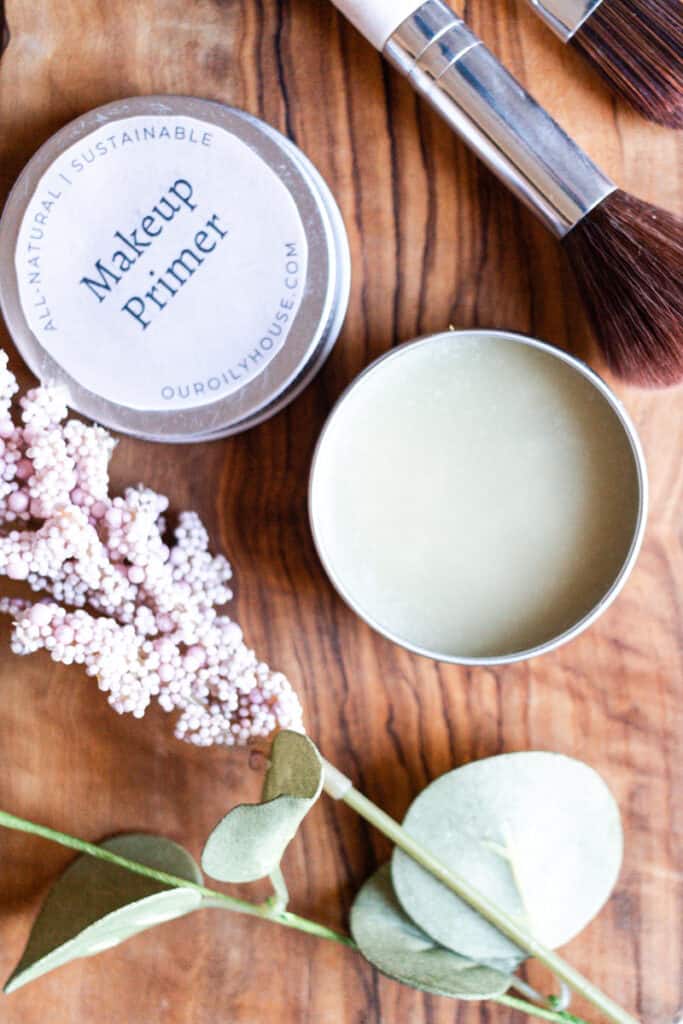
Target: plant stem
538,1011
530,993
280,898
211,897
340,787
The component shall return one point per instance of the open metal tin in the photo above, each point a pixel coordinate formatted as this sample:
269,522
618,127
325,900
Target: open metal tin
633,531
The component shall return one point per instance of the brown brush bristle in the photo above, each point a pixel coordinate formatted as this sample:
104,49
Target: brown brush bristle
637,45
628,259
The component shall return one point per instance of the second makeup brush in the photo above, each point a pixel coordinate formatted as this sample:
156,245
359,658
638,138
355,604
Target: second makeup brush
636,45
627,254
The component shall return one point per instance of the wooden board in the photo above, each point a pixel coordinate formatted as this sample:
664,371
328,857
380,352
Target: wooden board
435,241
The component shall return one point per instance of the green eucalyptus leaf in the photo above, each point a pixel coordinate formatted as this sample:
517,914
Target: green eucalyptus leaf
537,833
397,947
250,840
295,768
95,905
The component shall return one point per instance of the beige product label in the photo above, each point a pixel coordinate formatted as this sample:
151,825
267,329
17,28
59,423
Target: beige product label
161,262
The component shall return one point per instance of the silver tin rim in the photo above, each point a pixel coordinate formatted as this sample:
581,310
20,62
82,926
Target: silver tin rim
315,328
641,515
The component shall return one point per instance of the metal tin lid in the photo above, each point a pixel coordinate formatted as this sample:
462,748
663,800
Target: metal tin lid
178,265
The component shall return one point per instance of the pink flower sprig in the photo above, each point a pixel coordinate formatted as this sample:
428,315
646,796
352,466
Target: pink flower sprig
139,614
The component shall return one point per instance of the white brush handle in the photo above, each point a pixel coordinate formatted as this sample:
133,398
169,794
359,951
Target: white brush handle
448,65
377,19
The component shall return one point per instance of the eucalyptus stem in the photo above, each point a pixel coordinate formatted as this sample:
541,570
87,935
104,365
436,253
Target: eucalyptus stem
280,897
538,1011
213,898
547,1002
340,787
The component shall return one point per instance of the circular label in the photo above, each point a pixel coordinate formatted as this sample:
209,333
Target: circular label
161,262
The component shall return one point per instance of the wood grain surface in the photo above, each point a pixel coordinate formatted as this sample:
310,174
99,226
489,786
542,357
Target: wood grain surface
435,241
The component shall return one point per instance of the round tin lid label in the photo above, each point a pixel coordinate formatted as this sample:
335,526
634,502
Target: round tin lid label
161,262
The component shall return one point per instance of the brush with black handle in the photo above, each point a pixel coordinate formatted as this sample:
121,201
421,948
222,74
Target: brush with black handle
626,253
636,45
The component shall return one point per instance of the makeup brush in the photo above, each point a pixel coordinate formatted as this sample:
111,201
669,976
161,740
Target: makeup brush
636,45
627,254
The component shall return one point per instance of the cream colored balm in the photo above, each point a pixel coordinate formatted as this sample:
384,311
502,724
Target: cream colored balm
477,495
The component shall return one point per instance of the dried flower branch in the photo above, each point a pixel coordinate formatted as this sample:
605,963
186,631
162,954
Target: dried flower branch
139,614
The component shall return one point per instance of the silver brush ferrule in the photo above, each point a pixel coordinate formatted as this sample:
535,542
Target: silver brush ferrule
565,17
489,109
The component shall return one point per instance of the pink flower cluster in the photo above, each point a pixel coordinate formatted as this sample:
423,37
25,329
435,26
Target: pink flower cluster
140,614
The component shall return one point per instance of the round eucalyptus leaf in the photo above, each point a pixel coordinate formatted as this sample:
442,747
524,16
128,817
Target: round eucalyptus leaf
95,905
250,840
537,833
397,947
295,768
